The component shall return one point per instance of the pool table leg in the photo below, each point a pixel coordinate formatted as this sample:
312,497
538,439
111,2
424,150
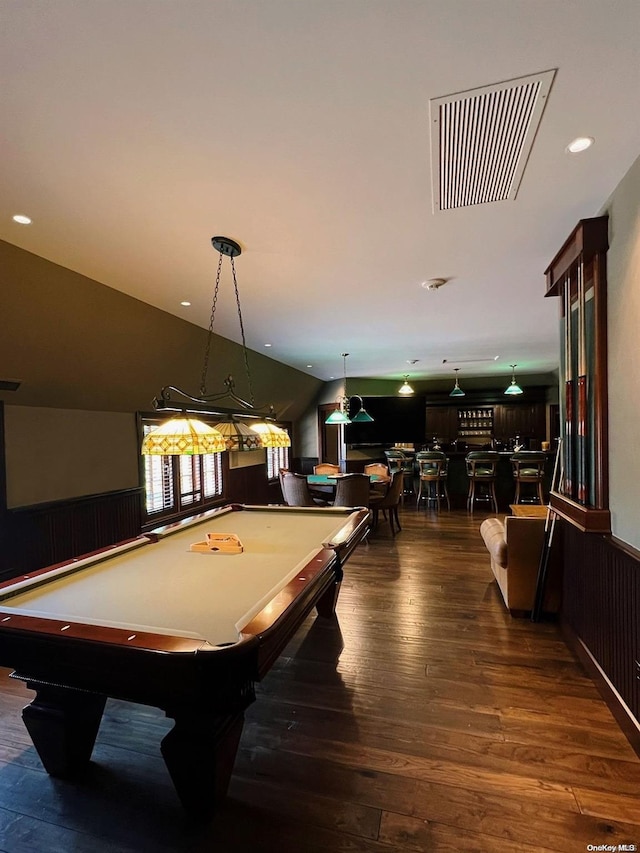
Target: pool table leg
200,752
63,724
326,605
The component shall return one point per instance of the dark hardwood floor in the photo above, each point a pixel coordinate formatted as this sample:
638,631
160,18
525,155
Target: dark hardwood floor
424,718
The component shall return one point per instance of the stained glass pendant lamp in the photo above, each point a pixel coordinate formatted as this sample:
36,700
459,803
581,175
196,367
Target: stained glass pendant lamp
232,433
183,437
271,435
238,436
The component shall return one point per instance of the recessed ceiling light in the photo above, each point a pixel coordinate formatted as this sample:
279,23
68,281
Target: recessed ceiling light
309,365
581,143
268,345
185,303
21,219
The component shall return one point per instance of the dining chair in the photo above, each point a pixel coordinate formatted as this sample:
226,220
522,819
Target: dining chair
378,468
389,501
379,487
352,490
281,473
326,468
295,491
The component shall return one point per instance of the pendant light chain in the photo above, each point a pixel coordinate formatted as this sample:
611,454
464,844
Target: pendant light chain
205,365
186,436
244,345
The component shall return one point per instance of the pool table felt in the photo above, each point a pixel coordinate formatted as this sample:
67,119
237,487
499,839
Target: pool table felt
162,587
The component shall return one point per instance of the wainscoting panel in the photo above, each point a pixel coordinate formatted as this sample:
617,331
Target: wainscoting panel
250,485
601,607
51,533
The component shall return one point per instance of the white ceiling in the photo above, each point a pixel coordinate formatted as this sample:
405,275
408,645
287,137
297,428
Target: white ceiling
135,130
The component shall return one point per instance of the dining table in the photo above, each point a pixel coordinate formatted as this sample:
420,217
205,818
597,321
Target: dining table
324,485
332,479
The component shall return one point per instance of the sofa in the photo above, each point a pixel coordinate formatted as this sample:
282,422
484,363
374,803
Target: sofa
515,545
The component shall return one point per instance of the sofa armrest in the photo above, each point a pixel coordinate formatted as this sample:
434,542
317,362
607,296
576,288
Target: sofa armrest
492,531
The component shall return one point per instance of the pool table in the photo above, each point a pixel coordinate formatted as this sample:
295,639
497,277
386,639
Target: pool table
152,622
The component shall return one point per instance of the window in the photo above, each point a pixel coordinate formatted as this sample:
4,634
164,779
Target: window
174,484
277,458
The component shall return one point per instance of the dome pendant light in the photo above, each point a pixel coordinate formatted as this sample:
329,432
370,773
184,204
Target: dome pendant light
405,388
457,390
514,388
342,413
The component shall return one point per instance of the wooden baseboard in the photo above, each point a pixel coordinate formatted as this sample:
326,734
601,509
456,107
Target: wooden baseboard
623,716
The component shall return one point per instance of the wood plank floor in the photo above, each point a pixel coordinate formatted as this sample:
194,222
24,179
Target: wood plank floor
424,718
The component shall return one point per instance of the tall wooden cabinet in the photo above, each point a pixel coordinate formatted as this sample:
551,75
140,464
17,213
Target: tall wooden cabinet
478,419
442,423
519,419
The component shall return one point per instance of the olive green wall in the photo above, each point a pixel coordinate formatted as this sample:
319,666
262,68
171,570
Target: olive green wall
78,344
79,347
54,454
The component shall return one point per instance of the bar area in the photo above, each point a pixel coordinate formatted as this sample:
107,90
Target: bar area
483,420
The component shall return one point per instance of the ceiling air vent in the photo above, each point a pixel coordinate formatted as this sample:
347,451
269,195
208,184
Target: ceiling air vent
481,140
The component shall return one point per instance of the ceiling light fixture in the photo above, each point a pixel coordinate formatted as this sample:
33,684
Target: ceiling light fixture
21,219
405,388
183,435
581,143
342,413
457,390
513,388
434,283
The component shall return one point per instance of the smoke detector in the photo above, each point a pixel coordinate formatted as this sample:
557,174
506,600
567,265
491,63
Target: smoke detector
434,283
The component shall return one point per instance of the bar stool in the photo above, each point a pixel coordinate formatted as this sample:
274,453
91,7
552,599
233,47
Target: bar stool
399,461
432,472
528,470
482,469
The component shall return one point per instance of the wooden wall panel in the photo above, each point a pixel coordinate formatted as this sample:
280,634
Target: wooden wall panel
50,533
249,485
41,535
601,608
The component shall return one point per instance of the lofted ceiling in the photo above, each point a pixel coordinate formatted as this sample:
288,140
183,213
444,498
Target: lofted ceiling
135,130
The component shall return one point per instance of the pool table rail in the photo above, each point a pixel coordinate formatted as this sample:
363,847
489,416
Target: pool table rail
73,667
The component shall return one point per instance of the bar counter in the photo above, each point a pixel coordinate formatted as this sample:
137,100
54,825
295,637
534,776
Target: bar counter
458,482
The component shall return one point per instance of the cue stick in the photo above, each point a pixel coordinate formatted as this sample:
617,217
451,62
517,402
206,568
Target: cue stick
581,440
568,389
547,542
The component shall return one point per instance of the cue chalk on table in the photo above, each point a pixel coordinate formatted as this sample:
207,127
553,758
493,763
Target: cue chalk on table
219,543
